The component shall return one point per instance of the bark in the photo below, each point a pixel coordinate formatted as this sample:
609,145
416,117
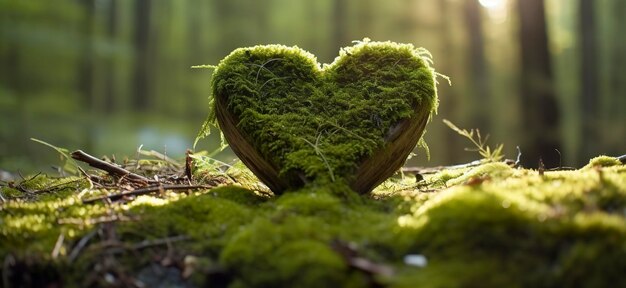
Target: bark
86,71
13,77
110,79
141,97
589,78
618,57
477,64
540,111
446,93
340,27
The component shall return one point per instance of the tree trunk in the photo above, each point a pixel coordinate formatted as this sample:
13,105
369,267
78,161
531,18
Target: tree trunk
479,79
340,27
86,69
448,94
227,27
618,62
141,97
110,86
540,111
365,17
589,79
13,77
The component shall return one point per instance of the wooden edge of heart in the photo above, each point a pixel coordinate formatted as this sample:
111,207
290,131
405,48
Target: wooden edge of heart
391,157
264,170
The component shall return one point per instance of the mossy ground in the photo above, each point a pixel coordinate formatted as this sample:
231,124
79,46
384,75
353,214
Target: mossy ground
486,226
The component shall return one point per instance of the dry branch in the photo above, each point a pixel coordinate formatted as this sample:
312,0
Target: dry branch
143,191
112,169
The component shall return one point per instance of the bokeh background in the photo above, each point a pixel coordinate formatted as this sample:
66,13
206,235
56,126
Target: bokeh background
107,76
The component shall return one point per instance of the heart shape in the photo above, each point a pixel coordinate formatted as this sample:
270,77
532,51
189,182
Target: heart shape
293,122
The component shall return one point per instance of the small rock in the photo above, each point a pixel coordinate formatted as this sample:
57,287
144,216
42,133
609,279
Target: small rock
416,260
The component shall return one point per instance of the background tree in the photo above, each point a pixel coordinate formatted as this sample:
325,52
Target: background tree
110,75
477,66
540,111
589,76
110,82
340,27
142,84
449,108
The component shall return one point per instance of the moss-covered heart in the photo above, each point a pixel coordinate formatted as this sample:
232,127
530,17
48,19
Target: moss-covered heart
293,122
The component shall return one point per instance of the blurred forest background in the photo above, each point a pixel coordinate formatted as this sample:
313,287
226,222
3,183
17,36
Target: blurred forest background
107,76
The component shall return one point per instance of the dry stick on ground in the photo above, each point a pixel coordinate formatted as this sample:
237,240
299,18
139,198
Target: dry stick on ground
432,170
159,156
143,191
110,168
157,242
80,245
57,246
351,256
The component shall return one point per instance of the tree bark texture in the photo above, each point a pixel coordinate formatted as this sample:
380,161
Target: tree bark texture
540,110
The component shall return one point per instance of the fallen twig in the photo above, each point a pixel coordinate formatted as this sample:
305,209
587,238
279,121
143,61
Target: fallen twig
97,220
143,191
81,244
432,170
562,168
110,168
350,254
21,187
157,242
55,187
57,246
159,155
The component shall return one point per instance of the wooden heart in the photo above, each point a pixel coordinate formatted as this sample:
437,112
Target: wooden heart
293,122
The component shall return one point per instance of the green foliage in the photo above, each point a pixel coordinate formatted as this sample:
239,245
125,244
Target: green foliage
473,135
67,163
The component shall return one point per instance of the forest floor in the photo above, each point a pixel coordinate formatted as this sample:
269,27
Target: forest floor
158,222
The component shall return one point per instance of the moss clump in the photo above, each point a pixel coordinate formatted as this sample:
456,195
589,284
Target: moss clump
212,216
293,245
29,221
516,228
603,161
296,245
294,122
553,230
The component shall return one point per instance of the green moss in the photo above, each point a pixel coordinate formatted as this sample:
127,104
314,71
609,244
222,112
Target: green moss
29,223
320,123
208,218
477,272
603,161
539,231
266,254
514,229
239,195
